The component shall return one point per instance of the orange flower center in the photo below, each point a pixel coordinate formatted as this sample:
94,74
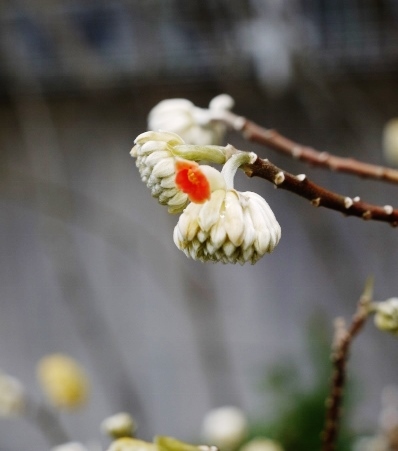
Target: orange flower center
191,180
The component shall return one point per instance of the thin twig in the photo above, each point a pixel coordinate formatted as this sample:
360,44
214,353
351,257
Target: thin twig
319,196
274,140
342,343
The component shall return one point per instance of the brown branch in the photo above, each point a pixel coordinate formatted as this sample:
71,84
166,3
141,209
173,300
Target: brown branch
319,196
274,140
343,340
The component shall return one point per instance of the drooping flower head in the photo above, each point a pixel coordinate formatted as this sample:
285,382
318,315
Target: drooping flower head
231,226
157,153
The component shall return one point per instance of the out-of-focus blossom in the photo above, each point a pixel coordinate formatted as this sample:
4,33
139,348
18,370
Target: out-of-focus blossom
230,227
164,443
156,154
131,444
390,142
386,315
12,396
375,443
195,125
225,427
63,380
71,446
119,425
262,444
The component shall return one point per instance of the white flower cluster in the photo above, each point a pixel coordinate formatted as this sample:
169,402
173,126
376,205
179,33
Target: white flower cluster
218,223
195,125
231,227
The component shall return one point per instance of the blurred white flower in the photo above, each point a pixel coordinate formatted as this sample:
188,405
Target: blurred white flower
225,427
195,125
12,396
390,142
230,227
386,315
262,444
375,443
71,446
157,153
119,425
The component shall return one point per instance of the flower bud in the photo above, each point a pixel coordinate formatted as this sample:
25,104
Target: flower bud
195,125
63,381
12,396
225,427
119,425
386,315
157,153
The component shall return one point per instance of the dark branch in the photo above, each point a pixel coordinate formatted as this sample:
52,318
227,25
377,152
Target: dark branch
343,341
319,196
274,140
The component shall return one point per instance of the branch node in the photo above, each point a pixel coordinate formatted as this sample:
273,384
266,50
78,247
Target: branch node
348,202
297,151
323,156
388,209
301,177
316,202
279,178
367,215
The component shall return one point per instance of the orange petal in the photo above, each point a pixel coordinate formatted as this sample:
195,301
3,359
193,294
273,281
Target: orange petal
191,180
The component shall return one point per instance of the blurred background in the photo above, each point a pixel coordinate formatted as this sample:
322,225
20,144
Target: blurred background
88,266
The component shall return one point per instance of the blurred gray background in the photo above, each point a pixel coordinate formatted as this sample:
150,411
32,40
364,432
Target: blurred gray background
88,266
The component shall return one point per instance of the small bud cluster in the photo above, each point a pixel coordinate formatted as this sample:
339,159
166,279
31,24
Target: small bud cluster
218,223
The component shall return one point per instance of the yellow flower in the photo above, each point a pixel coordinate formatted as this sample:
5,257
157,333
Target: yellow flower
131,444
63,381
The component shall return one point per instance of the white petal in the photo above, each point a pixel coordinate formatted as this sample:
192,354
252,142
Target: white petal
188,223
178,199
210,210
169,137
152,146
228,248
233,218
250,232
164,168
154,158
168,182
218,234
